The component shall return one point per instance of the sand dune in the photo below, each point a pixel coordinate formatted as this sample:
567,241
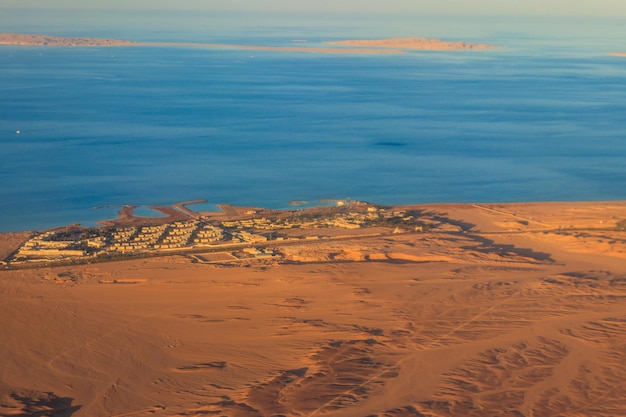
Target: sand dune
519,312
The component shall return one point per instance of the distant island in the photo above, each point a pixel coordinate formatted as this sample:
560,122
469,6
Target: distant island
46,40
380,46
617,53
414,43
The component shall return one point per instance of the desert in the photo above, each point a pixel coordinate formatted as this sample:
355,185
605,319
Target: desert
440,310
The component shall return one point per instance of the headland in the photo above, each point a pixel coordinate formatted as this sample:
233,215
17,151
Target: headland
358,309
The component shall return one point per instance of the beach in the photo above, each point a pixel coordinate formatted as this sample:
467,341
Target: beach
501,309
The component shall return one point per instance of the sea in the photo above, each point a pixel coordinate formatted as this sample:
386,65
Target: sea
85,131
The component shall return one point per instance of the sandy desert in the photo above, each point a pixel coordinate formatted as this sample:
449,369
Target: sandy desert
518,310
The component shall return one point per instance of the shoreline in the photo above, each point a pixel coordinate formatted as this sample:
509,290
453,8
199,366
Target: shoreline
184,231
179,210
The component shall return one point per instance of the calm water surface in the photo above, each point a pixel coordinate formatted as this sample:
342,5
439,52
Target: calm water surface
542,119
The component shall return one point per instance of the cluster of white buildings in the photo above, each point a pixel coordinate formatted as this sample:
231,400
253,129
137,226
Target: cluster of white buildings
51,246
349,220
243,236
75,243
41,248
176,235
208,234
294,222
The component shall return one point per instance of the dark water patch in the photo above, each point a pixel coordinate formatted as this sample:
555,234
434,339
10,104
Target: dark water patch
391,144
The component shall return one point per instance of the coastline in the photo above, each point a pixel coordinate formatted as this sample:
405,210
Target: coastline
181,230
180,210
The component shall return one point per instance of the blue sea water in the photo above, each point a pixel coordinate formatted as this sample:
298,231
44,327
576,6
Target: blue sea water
539,120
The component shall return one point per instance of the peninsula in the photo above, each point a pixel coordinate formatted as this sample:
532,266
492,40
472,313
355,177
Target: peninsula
382,46
355,309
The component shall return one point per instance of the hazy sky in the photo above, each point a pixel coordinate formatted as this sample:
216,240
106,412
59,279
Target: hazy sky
506,7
